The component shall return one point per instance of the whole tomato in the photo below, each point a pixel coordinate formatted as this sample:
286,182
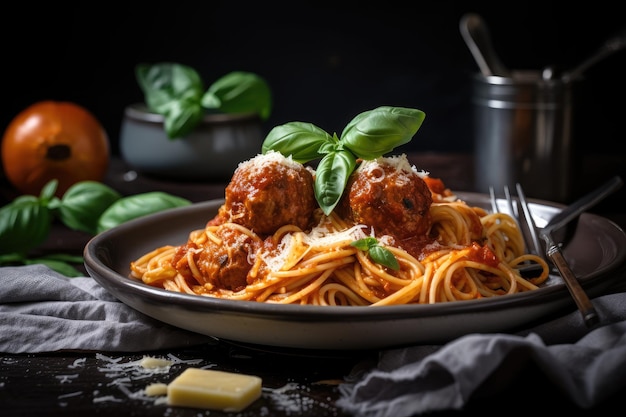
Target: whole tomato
54,140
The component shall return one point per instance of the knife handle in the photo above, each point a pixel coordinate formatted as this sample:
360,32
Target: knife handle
585,306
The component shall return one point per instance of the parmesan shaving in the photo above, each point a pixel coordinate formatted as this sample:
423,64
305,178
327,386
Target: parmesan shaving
320,235
156,389
149,362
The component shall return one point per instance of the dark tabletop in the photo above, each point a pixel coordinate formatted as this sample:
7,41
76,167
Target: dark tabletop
296,382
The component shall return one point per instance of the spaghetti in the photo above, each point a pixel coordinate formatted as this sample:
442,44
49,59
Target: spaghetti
466,253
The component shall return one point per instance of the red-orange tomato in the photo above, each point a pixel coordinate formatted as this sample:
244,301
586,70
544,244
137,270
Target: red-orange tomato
54,140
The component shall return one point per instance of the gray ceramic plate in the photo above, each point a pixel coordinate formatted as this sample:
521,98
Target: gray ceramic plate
598,248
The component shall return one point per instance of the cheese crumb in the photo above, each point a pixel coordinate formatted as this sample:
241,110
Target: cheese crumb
149,362
154,390
209,389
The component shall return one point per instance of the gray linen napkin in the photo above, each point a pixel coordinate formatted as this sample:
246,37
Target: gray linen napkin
43,311
587,366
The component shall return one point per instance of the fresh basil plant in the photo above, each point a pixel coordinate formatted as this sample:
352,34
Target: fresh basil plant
177,92
87,206
369,135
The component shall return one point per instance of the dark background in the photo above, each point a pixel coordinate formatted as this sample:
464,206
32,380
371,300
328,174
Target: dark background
325,61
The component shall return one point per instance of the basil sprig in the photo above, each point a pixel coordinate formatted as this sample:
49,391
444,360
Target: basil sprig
369,135
177,92
87,206
377,253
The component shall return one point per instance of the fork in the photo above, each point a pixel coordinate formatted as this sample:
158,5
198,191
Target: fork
552,252
531,241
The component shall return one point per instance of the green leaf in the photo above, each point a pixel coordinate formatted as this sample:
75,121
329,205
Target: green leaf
167,82
302,141
364,244
174,91
239,92
182,117
369,135
383,256
377,253
24,224
47,192
331,177
59,266
83,204
64,257
12,258
138,205
60,263
374,133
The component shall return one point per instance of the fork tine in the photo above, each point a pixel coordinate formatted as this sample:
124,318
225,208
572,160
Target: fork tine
494,201
529,269
509,200
535,246
512,209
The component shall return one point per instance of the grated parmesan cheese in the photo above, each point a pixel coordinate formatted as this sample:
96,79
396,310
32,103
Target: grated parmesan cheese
149,362
255,164
319,236
123,373
400,162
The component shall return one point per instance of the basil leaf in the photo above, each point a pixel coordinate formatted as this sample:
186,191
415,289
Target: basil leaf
63,257
61,266
24,224
138,205
302,141
383,256
46,196
239,92
331,177
12,258
60,263
174,91
369,135
364,244
377,253
83,204
374,133
182,117
166,82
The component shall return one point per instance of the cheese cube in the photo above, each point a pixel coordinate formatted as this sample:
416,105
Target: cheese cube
218,390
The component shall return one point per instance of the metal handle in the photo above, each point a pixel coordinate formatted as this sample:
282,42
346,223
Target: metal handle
585,306
476,35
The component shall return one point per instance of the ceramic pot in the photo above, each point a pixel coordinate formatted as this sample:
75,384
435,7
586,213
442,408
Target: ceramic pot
210,152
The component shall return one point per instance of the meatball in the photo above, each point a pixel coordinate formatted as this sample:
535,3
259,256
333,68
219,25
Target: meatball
388,195
224,265
270,191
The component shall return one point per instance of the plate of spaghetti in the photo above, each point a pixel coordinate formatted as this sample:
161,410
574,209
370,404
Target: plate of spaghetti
399,260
